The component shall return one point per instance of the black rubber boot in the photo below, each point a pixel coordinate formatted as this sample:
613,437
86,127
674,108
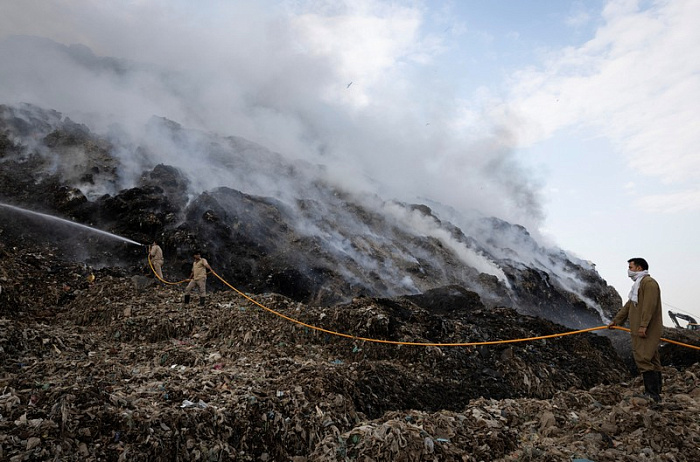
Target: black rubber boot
659,382
187,299
652,385
201,301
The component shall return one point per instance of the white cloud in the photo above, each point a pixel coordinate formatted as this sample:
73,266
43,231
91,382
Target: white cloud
679,202
636,82
578,18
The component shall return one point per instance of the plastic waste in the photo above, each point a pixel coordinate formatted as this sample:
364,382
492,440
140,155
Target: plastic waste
200,404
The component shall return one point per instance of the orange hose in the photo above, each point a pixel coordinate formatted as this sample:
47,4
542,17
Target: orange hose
396,342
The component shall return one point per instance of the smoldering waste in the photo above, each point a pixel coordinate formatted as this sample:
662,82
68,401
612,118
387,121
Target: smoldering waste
117,369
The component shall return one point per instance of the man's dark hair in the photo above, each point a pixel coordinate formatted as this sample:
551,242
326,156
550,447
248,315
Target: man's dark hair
639,262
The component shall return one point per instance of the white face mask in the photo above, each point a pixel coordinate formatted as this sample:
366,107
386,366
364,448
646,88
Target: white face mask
632,274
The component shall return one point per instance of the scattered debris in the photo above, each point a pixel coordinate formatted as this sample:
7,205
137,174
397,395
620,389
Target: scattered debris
115,372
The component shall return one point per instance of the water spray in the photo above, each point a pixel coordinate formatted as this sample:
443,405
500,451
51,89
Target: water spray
71,223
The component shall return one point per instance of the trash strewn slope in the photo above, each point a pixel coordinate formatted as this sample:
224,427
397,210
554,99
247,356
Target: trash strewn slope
118,369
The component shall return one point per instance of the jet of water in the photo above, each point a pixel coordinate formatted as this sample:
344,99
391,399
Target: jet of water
68,222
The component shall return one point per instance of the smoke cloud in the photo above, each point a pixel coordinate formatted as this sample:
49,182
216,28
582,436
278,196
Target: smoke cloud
295,77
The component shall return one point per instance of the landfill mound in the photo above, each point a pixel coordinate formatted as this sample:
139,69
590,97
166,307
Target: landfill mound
110,365
268,223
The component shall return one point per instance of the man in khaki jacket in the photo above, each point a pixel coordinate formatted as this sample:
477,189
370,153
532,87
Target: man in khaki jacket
643,309
198,277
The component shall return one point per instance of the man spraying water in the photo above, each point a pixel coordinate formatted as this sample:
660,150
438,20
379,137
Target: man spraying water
155,253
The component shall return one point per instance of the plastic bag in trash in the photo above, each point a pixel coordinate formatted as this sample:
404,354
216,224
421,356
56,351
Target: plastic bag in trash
187,403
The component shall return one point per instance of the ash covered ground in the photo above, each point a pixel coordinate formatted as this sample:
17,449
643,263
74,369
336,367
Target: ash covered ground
117,369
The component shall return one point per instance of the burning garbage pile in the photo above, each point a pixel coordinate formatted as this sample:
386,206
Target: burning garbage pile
268,223
120,370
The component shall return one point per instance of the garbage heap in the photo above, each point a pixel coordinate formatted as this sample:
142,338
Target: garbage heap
107,365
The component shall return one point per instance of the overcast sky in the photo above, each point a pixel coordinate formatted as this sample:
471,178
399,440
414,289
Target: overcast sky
576,119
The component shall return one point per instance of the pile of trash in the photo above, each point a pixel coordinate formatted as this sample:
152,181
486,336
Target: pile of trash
105,365
268,223
605,423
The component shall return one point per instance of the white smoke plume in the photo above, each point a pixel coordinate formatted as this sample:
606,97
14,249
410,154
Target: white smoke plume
294,77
